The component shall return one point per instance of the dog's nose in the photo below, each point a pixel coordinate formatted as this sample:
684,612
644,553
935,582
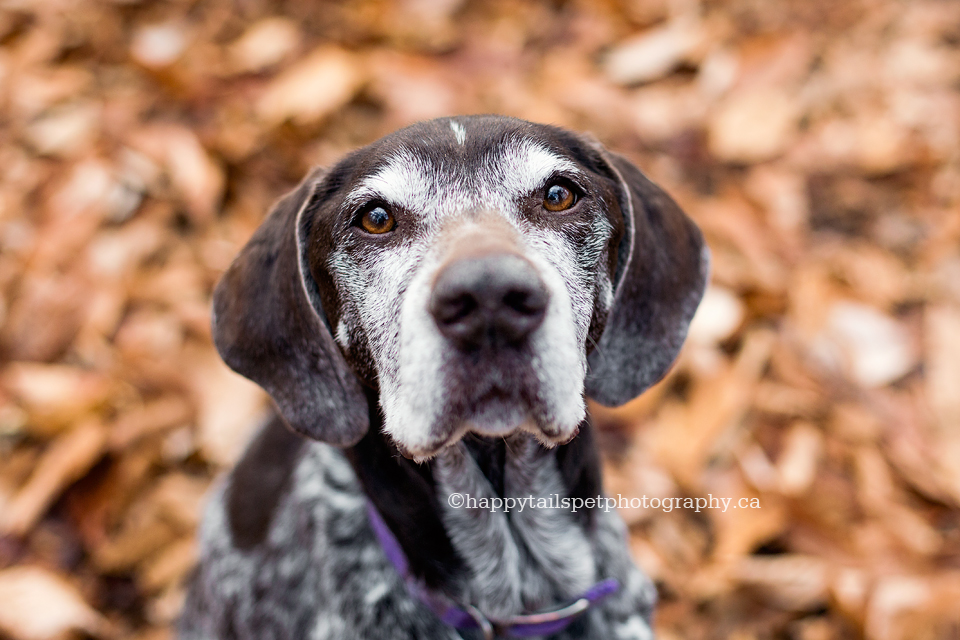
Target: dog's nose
488,301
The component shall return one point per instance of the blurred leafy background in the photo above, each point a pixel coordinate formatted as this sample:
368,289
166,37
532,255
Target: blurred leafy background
816,142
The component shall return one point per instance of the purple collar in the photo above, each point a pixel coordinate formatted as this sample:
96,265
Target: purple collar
469,617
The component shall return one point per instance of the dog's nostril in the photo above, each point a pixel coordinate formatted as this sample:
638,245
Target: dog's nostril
525,301
516,300
489,300
455,309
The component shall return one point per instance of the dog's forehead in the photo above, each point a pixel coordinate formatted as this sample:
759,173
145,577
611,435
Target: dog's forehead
455,162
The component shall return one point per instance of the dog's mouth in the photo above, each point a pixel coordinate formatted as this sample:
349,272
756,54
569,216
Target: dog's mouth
496,413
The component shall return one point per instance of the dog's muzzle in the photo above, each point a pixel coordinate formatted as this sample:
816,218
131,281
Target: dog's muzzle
490,301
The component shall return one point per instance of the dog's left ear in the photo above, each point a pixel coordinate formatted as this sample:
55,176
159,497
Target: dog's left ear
269,326
662,268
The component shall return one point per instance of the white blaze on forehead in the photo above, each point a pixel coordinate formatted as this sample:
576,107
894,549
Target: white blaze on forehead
525,166
458,131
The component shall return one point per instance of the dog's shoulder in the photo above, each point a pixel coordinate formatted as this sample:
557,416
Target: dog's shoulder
259,481
282,473
288,553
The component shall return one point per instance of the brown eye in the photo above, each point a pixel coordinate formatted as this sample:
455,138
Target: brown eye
558,198
378,220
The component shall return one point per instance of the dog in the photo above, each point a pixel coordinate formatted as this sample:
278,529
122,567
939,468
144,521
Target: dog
428,317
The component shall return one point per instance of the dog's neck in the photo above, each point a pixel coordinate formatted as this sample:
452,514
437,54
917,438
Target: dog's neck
500,560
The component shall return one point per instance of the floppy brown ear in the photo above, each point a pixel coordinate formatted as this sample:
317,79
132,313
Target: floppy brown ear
662,269
268,328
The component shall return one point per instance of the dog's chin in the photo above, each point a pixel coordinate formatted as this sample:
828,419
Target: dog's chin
495,417
498,417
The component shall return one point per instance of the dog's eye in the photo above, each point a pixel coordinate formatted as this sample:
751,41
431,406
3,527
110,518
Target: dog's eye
558,198
378,220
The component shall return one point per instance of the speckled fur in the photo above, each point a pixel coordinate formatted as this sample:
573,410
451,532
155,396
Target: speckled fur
321,574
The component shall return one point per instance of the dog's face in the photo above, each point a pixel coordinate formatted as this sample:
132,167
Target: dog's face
464,268
461,265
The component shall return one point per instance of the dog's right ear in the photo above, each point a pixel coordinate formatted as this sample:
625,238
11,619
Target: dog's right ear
268,328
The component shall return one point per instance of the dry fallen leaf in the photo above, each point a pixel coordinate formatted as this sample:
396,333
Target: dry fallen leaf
171,566
150,419
943,365
158,45
794,582
754,125
194,173
40,605
653,54
798,462
718,316
64,131
892,597
312,88
870,347
264,44
54,395
229,408
67,459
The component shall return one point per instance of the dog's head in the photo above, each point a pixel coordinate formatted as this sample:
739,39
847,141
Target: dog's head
482,273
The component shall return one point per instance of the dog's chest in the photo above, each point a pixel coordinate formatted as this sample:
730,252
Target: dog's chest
523,551
320,559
